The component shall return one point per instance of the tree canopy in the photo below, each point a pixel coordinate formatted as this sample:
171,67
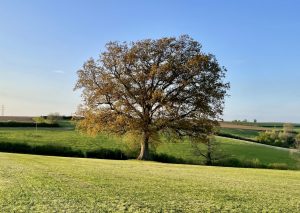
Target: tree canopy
150,87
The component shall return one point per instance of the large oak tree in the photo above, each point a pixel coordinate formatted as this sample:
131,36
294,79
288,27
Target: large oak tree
151,87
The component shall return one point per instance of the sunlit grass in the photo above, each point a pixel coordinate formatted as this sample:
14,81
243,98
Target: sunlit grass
54,184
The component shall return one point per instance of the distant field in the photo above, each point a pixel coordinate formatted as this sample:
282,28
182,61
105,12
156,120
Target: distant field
16,118
70,138
241,126
245,133
275,124
256,126
31,183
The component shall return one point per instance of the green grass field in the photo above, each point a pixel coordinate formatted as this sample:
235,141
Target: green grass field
244,133
261,126
229,147
31,183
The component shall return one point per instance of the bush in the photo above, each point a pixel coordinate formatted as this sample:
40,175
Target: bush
115,154
40,150
229,162
254,163
164,158
53,118
276,138
234,162
281,166
54,150
26,124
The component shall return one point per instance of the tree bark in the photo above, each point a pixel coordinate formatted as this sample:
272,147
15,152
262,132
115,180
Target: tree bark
209,153
209,159
144,153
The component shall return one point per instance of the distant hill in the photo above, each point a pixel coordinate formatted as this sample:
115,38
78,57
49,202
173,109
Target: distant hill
16,118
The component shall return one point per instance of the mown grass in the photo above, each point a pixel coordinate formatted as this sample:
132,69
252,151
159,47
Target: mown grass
59,136
265,154
31,183
232,148
228,148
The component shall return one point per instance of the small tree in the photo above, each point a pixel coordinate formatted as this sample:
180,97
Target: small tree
288,128
153,86
38,120
53,118
207,149
297,141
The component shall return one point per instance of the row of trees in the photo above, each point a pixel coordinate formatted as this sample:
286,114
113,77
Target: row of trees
243,121
52,118
287,137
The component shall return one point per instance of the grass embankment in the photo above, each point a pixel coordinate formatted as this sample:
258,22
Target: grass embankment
31,183
229,147
243,133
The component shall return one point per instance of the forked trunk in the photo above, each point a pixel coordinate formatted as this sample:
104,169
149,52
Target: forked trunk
144,153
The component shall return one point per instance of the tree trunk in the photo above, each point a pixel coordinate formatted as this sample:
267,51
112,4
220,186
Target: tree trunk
209,153
208,159
144,153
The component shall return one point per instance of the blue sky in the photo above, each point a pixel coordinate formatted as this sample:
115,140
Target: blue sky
44,43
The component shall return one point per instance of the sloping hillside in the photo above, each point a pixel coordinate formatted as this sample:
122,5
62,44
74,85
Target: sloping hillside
31,183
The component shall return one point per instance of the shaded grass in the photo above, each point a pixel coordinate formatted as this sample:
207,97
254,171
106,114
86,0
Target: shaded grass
265,154
241,150
63,137
183,151
52,184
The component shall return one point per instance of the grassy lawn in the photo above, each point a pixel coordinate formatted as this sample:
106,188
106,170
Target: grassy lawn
58,136
237,149
70,138
31,183
265,154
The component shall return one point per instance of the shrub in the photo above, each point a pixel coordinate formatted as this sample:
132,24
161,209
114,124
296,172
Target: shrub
40,150
164,158
254,163
53,118
234,162
229,162
276,138
26,124
56,151
281,166
115,154
297,141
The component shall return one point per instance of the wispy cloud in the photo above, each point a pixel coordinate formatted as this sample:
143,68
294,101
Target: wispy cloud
58,71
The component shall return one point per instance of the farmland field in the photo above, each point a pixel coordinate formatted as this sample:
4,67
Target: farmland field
245,133
16,118
230,147
256,126
31,183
